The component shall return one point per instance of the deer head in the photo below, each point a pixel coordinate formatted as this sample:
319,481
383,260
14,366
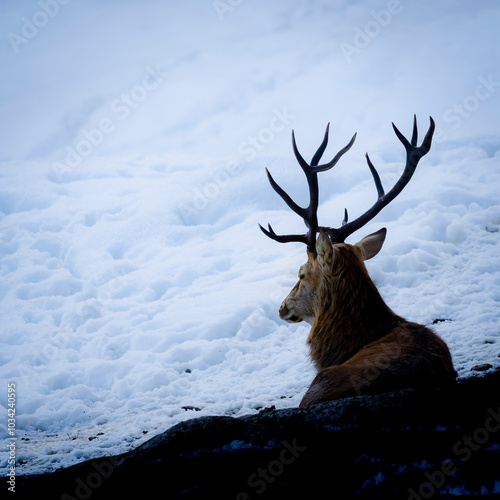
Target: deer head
306,298
330,259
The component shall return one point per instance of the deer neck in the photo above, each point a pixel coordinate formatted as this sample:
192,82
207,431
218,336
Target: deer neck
350,314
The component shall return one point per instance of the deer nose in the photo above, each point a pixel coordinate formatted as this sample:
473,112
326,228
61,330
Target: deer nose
283,311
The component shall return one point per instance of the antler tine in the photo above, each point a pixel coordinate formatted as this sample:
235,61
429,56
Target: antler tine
305,166
376,177
414,136
329,165
346,217
319,153
413,155
287,199
300,238
314,167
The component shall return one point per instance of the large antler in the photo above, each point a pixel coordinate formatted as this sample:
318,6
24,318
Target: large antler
310,213
413,155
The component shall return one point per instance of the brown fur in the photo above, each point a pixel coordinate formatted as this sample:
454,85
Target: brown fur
358,345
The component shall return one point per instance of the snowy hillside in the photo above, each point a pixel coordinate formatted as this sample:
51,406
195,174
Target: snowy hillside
136,289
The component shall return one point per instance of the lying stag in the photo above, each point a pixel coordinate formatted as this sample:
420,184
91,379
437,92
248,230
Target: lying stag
358,345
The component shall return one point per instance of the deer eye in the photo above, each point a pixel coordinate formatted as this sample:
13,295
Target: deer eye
302,276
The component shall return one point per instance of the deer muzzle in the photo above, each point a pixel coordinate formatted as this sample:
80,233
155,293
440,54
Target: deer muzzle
288,315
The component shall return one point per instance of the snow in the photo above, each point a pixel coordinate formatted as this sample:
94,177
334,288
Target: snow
134,278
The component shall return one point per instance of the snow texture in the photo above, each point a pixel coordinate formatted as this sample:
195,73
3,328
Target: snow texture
136,287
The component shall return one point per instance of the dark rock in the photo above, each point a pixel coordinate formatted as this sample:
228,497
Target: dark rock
408,444
191,408
481,368
440,320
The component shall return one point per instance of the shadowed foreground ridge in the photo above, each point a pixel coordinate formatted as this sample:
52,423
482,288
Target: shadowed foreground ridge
407,444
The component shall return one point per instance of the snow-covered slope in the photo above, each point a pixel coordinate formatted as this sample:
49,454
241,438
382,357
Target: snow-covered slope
134,278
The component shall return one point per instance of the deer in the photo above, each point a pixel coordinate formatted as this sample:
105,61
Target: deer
358,345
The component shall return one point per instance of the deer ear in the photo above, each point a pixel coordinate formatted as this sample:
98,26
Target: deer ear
324,249
370,245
